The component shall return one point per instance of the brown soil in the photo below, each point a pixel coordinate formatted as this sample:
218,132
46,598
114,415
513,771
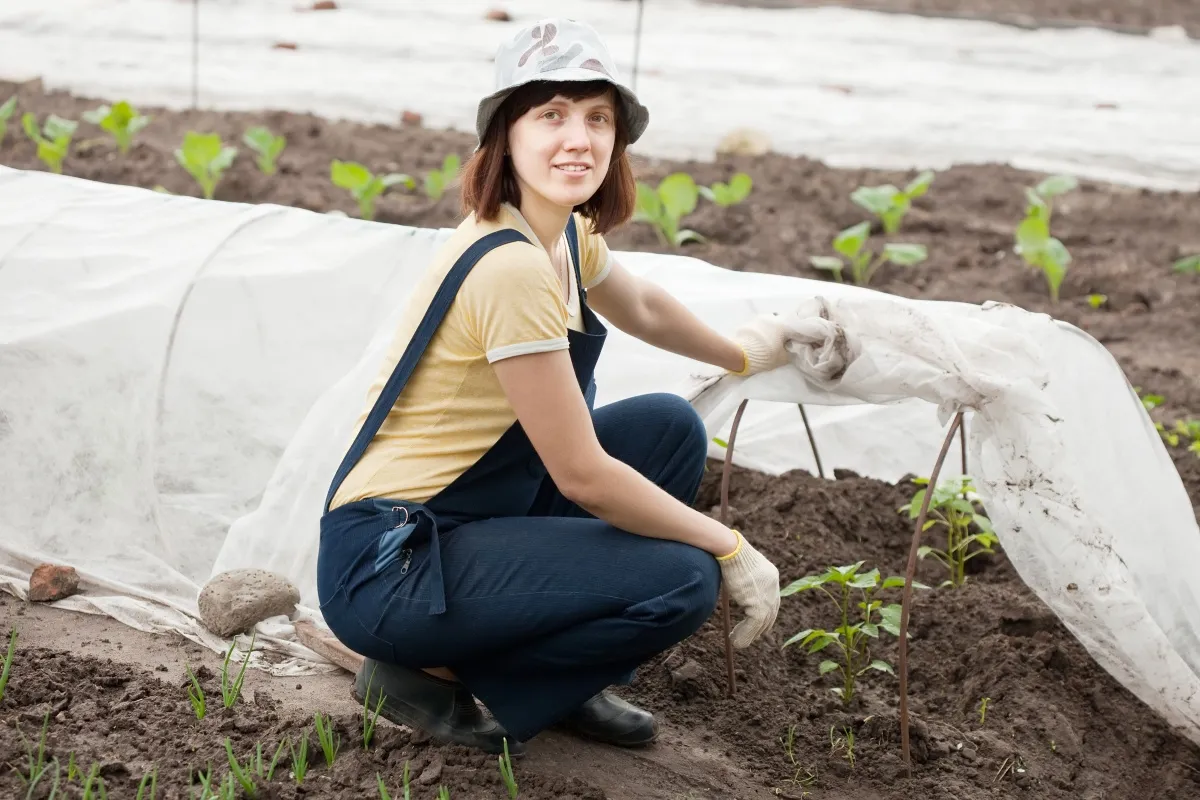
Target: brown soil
1132,16
1072,730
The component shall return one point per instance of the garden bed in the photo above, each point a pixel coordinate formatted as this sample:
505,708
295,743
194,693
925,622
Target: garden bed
1056,726
1133,16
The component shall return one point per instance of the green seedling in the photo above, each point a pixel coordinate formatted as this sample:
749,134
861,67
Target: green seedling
370,717
983,705
36,763
443,793
863,262
889,203
266,770
383,790
845,743
728,194
93,785
329,739
1033,241
299,759
243,773
267,145
1149,401
850,639
1186,264
149,781
1097,300
665,207
364,186
437,180
950,508
231,690
53,140
205,158
506,772
121,120
72,768
789,749
6,670
6,112
1185,432
196,694
204,778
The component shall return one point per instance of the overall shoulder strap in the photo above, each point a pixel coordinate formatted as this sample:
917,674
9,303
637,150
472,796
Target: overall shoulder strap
421,338
573,244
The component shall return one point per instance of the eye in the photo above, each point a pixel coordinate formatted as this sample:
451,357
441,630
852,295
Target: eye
548,114
600,117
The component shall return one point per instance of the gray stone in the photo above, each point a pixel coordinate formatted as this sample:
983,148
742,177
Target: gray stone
237,600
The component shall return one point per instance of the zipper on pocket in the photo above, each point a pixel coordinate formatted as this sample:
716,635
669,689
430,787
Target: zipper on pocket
407,553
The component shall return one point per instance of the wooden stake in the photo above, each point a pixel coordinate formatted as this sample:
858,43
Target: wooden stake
730,682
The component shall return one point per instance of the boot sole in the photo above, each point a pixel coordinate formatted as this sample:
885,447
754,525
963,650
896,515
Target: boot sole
615,742
400,713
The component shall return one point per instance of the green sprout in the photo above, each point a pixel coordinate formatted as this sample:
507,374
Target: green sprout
728,194
363,185
1097,300
1149,401
267,145
983,705
1182,431
196,694
53,140
370,718
93,785
1033,241
506,772
844,742
121,120
36,761
6,671
437,180
205,158
231,690
1186,264
329,739
72,768
443,793
383,790
299,759
850,639
889,203
863,261
243,773
950,508
664,207
152,778
6,112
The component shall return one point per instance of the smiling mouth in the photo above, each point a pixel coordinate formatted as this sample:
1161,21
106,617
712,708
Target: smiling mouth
574,169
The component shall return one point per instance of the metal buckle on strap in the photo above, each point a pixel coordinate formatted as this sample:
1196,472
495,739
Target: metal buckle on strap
406,515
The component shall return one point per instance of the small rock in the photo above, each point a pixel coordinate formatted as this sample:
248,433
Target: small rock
161,668
236,600
744,142
431,773
50,582
410,118
284,46
324,5
969,753
689,671
498,15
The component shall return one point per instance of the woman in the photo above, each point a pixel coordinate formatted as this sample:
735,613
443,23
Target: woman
488,534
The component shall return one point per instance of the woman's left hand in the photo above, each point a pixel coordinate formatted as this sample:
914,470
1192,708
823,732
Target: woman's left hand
762,340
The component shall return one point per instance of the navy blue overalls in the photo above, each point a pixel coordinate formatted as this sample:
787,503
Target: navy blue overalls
532,602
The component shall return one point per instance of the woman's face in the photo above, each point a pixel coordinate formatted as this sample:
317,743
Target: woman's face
561,150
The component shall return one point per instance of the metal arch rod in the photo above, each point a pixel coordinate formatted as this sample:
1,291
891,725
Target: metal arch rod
906,601
730,681
637,43
812,442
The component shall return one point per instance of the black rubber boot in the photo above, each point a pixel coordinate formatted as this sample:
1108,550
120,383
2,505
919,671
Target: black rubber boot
443,709
609,719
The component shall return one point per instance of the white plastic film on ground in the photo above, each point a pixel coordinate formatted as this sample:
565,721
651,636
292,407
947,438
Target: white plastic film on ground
846,86
180,379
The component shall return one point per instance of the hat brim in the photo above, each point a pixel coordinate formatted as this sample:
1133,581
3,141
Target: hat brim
635,115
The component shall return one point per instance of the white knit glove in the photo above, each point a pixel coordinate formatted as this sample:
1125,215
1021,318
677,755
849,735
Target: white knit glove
762,342
753,583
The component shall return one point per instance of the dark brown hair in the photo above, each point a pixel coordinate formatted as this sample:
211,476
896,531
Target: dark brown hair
488,179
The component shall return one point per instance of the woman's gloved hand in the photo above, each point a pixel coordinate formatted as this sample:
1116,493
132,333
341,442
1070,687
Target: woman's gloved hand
753,583
762,341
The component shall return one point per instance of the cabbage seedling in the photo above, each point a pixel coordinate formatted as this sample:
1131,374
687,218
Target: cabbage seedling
121,121
506,772
6,112
8,659
364,186
852,244
956,513
1033,241
666,206
1187,264
205,159
329,739
728,194
267,145
1182,431
851,640
196,695
53,140
437,180
889,203
231,690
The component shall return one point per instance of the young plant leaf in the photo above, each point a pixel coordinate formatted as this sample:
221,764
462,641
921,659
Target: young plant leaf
679,194
919,185
1187,264
205,158
851,240
120,120
827,666
267,145
6,112
905,255
1056,185
881,666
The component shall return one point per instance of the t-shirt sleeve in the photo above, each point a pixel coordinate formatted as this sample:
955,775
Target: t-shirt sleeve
595,260
510,304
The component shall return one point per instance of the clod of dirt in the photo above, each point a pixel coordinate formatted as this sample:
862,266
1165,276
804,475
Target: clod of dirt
411,119
432,773
498,15
324,5
236,600
50,582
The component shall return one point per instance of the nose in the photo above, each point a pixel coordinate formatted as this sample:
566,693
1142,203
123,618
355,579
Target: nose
575,133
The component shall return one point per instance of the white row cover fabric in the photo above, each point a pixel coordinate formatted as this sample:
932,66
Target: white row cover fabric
851,87
179,378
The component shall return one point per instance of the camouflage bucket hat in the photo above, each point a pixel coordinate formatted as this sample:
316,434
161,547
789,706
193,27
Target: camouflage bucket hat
558,50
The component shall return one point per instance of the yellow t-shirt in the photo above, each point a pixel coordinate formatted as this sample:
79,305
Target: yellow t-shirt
453,410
